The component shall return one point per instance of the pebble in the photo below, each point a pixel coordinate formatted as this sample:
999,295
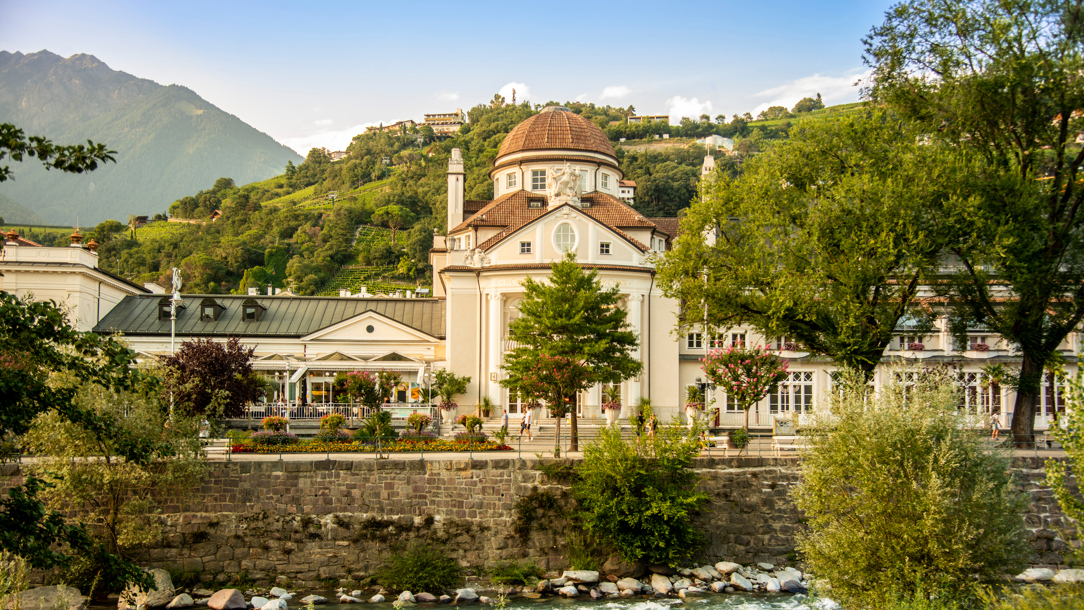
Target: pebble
406,596
258,602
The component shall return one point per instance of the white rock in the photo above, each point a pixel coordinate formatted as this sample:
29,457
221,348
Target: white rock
627,593
407,596
702,574
278,592
425,598
608,587
313,599
682,583
1069,576
740,582
557,583
162,595
763,578
484,600
227,599
660,584
348,599
465,596
258,602
288,596
581,576
726,568
376,599
568,591
183,600
275,604
718,586
766,566
629,584
1036,575
772,586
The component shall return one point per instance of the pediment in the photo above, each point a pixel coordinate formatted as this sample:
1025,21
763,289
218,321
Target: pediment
393,357
369,326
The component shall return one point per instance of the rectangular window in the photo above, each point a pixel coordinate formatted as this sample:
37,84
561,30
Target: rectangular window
694,341
907,342
534,204
1052,397
466,242
510,180
794,394
538,179
208,313
973,341
737,340
604,247
717,342
524,247
605,181
250,314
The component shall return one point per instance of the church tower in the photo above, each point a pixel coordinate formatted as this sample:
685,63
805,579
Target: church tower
456,188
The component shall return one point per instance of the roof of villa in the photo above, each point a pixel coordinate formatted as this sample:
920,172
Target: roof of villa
556,128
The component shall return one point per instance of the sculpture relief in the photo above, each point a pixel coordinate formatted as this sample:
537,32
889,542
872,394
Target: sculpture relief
564,185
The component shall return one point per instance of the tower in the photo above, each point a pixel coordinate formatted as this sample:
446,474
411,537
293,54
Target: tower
456,188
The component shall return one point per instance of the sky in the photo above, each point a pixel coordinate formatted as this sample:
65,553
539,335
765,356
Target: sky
317,73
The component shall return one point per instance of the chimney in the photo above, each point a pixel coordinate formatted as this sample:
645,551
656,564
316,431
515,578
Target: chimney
270,290
456,188
253,292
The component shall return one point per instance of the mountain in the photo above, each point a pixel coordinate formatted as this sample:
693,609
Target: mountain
13,213
169,141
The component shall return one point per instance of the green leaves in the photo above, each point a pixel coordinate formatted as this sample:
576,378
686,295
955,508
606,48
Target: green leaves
73,159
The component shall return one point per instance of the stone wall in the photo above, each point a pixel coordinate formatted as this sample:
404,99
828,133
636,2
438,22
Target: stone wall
328,519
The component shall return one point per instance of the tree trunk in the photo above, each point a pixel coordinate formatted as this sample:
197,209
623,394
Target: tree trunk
575,444
1027,398
557,447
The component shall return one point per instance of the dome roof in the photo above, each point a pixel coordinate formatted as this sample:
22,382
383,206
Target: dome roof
556,128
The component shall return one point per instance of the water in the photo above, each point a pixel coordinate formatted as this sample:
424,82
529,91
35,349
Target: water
735,601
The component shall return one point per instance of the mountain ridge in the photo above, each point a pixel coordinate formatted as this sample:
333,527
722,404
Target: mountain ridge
168,140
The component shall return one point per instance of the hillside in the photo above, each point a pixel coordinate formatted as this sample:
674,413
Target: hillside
169,142
12,212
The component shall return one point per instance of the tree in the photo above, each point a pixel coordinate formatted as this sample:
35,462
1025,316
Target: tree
746,374
1070,434
212,379
394,217
1003,80
571,335
825,239
773,112
48,347
903,500
73,159
808,104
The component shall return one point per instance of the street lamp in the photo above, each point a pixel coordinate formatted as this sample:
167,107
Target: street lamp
175,301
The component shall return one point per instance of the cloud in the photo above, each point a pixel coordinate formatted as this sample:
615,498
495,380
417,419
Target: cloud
323,122
615,92
581,97
523,92
833,89
331,140
448,96
687,107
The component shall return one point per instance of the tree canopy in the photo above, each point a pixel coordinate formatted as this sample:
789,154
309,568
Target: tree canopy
72,159
824,239
1001,79
571,319
211,378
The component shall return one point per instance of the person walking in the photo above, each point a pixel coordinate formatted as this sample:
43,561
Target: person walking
995,425
525,425
651,425
504,422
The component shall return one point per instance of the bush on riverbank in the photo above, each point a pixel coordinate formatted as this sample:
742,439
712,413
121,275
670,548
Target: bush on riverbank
905,501
390,445
420,567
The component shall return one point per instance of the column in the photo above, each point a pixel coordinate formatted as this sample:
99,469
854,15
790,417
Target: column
635,302
496,353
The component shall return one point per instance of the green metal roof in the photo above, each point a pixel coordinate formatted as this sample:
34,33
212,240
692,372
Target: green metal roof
284,316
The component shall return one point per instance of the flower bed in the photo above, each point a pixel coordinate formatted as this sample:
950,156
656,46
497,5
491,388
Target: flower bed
398,446
273,437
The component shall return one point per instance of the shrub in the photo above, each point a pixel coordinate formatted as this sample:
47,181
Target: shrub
420,567
275,423
739,437
470,422
415,435
904,501
377,425
271,437
1060,597
331,423
419,421
1070,433
467,436
515,573
648,516
336,436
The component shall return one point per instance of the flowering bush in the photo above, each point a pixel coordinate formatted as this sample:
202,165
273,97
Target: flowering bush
274,437
333,436
746,374
980,347
448,405
417,435
470,422
790,346
419,421
916,347
365,387
274,423
611,406
395,446
468,436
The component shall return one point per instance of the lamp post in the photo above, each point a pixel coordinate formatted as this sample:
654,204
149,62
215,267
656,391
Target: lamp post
175,301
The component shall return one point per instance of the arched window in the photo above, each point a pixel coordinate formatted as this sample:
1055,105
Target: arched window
564,237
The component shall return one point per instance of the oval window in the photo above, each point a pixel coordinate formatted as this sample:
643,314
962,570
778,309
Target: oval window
564,237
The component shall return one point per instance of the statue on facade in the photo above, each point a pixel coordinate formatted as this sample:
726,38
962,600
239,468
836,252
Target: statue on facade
564,184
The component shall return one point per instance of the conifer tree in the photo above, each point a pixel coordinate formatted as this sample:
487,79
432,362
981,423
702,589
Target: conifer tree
569,319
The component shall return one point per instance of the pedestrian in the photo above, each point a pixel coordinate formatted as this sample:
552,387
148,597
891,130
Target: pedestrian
995,426
525,425
640,423
504,423
651,425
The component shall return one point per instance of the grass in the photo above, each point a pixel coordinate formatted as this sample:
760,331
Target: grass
816,114
160,229
377,280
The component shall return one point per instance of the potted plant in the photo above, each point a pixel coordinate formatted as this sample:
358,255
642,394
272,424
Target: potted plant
916,347
448,384
485,407
611,403
738,438
694,402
